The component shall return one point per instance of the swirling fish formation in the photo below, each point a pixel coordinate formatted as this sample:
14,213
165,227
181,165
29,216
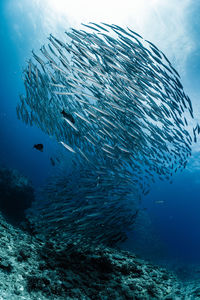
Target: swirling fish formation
85,208
113,100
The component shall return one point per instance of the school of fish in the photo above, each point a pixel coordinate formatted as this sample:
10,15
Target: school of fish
117,105
82,207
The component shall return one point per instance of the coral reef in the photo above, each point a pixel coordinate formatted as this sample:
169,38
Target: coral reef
16,195
32,269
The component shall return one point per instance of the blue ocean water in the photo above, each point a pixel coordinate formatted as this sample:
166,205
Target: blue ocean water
17,140
171,211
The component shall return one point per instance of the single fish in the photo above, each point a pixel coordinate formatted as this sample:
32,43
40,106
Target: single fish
39,147
67,147
52,161
68,116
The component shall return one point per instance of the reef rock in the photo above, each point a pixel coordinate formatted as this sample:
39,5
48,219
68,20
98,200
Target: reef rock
16,195
31,269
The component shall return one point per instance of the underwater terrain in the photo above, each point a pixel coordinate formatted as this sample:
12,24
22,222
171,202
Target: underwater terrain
99,164
32,267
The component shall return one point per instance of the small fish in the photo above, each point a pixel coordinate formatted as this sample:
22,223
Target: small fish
52,161
71,124
68,116
39,147
67,147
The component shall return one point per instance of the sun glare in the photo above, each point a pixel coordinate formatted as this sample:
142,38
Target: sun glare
107,11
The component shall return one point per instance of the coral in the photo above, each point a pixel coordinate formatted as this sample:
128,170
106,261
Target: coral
16,195
32,269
